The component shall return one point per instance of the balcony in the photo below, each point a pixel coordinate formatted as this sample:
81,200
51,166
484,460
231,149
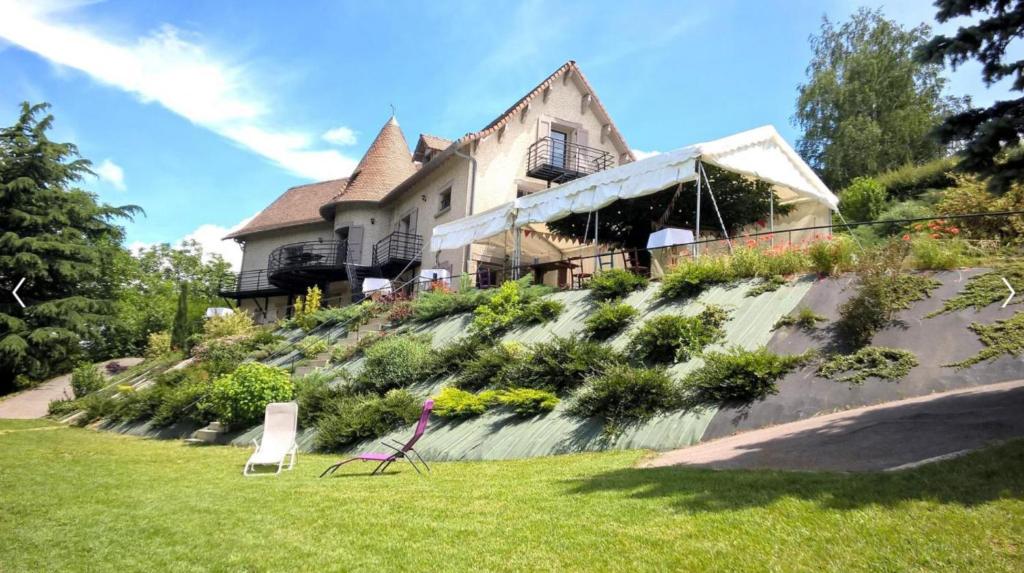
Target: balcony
396,251
557,161
249,284
297,266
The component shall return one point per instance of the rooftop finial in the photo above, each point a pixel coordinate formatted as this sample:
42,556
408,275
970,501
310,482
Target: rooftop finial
394,113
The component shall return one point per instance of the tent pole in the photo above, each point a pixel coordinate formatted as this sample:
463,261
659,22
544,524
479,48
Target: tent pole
517,251
771,214
696,229
714,203
596,221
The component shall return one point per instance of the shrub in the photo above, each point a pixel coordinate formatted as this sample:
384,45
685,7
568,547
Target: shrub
315,393
738,375
615,283
453,357
350,418
805,319
185,400
221,357
971,195
514,303
234,324
455,403
937,254
307,309
95,407
432,304
61,408
394,362
491,366
625,395
692,276
522,401
832,256
400,311
239,399
311,346
672,338
158,344
876,361
785,260
608,319
770,284
85,380
912,180
862,200
541,311
561,364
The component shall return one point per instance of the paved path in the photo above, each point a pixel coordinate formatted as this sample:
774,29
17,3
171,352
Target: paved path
888,436
33,403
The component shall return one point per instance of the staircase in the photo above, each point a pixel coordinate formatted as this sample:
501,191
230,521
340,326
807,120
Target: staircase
211,434
356,276
374,327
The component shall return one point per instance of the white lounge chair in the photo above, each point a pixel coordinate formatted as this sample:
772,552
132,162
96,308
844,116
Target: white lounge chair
280,426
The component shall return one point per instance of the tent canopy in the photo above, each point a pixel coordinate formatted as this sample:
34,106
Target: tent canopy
760,153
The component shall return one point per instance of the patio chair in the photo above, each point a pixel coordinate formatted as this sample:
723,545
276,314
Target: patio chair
280,425
401,451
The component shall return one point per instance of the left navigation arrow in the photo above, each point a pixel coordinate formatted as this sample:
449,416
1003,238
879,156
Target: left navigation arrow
15,292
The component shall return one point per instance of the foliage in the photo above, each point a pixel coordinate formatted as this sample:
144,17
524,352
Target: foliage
693,276
985,289
491,366
515,303
870,361
438,303
454,356
221,356
183,400
540,311
86,379
868,105
158,344
180,329
738,375
805,319
239,399
315,393
400,311
394,362
832,256
971,196
561,364
608,319
937,254
311,346
455,403
238,323
307,309
673,338
352,417
114,367
522,401
615,283
912,180
1001,337
624,395
57,238
770,284
862,200
989,131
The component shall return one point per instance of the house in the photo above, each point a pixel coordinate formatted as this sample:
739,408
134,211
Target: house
377,222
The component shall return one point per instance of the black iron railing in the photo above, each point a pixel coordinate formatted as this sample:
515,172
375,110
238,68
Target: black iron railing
254,282
309,255
397,247
559,161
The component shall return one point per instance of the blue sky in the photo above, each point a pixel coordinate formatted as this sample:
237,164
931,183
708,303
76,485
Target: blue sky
204,112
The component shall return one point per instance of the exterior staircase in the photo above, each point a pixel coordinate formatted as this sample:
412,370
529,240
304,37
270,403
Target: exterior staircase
374,327
356,276
211,434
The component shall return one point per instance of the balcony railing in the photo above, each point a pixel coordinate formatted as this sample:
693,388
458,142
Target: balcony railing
397,249
249,283
558,161
306,261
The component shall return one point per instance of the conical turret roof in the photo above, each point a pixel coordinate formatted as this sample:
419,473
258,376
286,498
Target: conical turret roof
386,163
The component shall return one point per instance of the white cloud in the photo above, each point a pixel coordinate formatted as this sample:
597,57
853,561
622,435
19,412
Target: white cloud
209,237
110,172
640,154
340,136
179,74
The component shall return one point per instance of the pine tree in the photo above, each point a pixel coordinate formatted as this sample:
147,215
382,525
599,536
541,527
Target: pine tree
990,132
179,331
50,234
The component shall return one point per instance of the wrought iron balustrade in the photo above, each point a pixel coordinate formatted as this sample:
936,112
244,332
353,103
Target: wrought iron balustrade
559,161
397,248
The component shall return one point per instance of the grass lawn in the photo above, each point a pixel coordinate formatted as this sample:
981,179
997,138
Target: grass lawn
79,500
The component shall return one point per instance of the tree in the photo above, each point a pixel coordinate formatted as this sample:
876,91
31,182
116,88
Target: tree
862,200
52,235
180,330
868,104
991,131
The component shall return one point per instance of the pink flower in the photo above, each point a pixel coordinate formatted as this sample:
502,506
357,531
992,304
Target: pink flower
906,237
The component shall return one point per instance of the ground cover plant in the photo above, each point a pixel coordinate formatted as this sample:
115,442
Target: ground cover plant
615,284
869,362
349,417
561,364
516,303
738,375
491,366
1000,338
770,284
669,338
394,362
454,403
805,319
608,319
625,395
86,488
985,289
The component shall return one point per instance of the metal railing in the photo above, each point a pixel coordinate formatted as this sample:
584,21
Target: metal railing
307,255
559,161
398,247
248,282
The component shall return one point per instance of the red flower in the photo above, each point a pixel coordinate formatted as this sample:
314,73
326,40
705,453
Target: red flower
906,237
954,230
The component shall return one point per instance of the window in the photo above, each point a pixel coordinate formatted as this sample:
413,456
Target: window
445,201
559,145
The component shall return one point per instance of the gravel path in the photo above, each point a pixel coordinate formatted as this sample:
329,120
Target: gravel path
33,403
889,436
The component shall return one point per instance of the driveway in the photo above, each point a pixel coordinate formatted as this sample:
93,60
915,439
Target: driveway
888,436
33,403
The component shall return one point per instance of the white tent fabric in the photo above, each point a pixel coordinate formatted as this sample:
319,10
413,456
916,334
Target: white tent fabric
760,153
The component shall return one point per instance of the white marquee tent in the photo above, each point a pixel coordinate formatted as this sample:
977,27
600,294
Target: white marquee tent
760,153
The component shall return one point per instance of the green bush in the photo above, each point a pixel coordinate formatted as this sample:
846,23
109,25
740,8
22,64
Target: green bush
312,346
454,356
999,338
349,418
624,395
738,375
672,338
804,319
352,314
237,323
515,303
913,180
522,401
454,403
693,276
608,319
432,304
985,289
615,284
315,393
870,361
937,254
62,408
184,401
833,256
862,200
158,344
784,261
770,284
85,380
394,362
561,364
240,398
221,357
541,311
491,366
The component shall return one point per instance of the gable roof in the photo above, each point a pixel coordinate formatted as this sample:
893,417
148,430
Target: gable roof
386,164
570,68
297,206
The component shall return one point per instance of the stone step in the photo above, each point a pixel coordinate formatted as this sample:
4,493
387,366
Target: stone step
208,435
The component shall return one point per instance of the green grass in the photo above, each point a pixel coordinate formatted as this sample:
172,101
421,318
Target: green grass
78,500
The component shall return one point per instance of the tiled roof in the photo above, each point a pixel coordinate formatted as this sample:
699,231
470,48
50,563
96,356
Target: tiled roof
435,142
296,206
386,164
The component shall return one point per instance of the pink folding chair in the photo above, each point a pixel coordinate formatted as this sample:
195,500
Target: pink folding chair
401,451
